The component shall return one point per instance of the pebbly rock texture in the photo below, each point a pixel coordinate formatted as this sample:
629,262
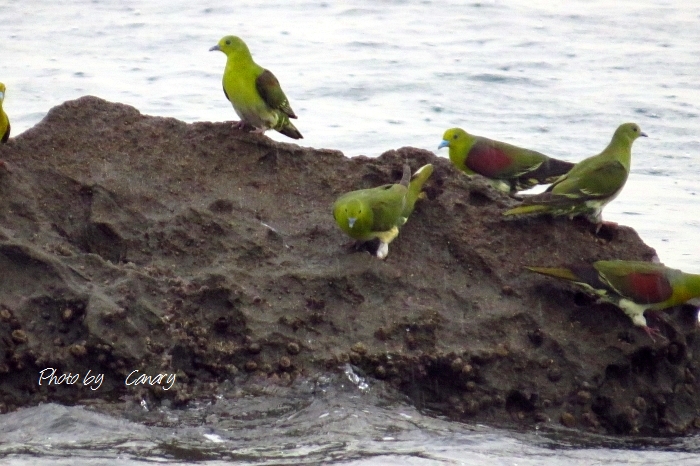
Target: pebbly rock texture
130,242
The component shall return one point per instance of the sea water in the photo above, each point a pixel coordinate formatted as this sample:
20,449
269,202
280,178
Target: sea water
368,76
333,420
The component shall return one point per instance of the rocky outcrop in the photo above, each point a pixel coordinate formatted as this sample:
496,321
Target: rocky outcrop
130,242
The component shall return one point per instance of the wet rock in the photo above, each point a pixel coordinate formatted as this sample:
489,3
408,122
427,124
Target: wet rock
174,246
78,350
293,348
567,419
554,374
285,363
254,348
19,336
359,348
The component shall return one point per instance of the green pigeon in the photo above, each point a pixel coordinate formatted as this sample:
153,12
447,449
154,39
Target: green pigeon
378,212
509,168
633,286
590,185
253,91
4,121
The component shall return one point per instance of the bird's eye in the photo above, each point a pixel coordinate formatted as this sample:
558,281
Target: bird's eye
228,42
454,137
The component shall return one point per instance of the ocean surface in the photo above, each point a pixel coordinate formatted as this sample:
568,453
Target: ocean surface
332,420
364,77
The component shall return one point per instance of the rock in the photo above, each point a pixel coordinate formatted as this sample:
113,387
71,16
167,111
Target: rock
204,249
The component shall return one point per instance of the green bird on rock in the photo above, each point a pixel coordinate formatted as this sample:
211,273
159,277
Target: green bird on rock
590,184
253,91
633,286
4,121
509,168
378,212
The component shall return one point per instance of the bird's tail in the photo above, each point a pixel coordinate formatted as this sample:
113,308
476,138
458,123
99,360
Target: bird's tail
531,209
415,188
291,131
558,272
548,171
406,177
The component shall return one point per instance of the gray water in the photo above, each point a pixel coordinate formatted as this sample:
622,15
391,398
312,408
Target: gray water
366,76
327,421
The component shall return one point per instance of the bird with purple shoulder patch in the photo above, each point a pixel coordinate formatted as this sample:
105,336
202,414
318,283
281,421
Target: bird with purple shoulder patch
633,286
509,168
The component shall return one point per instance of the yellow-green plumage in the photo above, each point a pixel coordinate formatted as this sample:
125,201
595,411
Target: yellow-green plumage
371,213
254,92
509,168
590,184
4,120
633,286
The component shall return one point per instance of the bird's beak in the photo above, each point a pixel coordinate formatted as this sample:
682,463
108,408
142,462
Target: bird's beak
2,95
351,221
444,143
643,134
216,47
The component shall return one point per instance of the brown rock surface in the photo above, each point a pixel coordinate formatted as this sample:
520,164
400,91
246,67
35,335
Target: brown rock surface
135,242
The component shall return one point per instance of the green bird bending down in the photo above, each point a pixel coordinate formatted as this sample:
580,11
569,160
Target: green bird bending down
253,91
509,168
590,185
4,121
366,214
633,286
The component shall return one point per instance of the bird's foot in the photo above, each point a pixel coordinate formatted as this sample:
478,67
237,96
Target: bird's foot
5,166
259,130
354,246
610,225
652,332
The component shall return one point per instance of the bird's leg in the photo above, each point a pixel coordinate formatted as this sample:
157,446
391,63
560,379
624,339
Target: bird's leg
611,225
355,245
385,238
636,313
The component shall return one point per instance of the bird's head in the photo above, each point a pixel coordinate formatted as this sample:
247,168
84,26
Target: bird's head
2,92
629,132
356,212
453,137
231,46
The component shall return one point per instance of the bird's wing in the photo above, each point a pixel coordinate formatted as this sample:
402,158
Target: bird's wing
598,182
388,203
271,92
642,282
499,160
